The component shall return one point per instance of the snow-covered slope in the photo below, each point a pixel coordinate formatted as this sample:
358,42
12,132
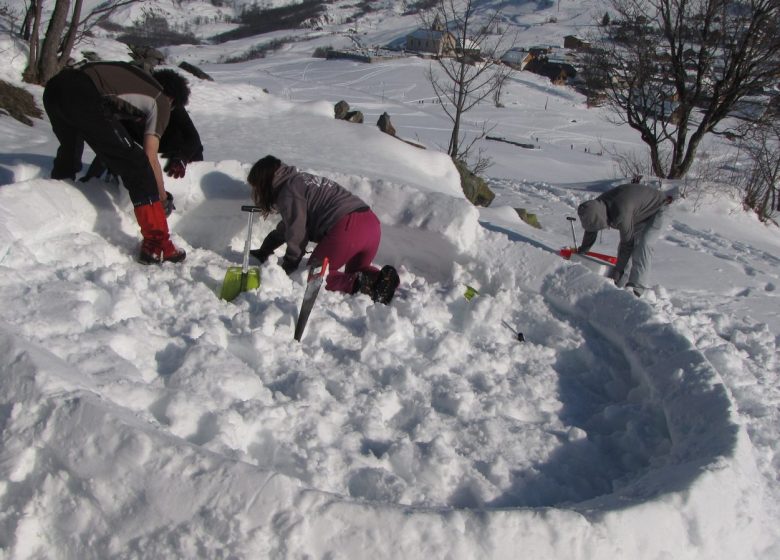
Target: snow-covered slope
142,417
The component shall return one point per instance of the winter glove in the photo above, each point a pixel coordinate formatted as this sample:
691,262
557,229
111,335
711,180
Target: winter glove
616,275
272,241
289,265
260,254
175,168
168,204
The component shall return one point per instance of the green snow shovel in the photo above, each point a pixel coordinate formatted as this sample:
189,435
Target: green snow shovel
242,278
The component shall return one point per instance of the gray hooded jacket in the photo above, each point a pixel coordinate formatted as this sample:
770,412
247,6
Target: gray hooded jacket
621,208
309,206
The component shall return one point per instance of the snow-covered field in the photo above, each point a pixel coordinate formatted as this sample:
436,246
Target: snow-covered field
142,417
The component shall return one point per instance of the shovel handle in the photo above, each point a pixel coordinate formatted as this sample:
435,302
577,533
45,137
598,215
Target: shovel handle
248,243
571,223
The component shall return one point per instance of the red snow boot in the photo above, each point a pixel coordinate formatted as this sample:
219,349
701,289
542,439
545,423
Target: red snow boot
157,246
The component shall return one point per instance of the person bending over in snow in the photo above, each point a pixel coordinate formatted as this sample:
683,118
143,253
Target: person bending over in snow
87,104
317,209
180,143
637,211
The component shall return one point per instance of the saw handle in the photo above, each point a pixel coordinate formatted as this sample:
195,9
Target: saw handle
319,272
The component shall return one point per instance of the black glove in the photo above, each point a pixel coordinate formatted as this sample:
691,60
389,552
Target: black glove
175,168
260,255
168,204
616,275
289,265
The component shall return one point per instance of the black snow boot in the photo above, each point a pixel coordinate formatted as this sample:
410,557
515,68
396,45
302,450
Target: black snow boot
364,282
380,285
385,285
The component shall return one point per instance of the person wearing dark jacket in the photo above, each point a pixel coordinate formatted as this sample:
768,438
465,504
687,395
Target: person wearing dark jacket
180,144
88,104
637,211
320,210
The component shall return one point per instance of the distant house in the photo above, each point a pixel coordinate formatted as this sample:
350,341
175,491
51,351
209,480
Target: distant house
575,43
541,50
516,57
558,71
470,49
436,40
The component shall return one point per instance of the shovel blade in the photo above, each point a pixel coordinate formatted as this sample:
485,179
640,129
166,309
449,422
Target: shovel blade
235,283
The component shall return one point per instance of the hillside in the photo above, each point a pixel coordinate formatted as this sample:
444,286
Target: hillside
142,417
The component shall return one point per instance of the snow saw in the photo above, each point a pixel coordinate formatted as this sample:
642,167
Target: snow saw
314,280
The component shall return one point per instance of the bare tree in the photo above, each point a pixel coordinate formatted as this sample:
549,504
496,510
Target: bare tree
675,69
500,79
50,53
471,71
761,191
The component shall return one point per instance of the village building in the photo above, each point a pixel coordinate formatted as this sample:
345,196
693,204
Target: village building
546,60
516,57
436,40
575,43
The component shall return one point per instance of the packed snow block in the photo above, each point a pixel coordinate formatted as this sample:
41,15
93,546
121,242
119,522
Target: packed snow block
671,373
445,221
699,413
50,207
6,241
115,467
342,529
703,484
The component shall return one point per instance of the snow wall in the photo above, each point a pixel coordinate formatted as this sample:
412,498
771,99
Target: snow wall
699,490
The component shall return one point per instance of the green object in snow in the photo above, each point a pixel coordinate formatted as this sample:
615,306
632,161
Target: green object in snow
242,278
470,293
236,282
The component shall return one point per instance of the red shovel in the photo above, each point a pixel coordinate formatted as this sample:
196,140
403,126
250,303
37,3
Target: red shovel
567,252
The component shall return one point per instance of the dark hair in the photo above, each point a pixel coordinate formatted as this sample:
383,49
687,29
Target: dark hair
174,85
261,178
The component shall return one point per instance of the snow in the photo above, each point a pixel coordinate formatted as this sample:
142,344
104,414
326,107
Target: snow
142,417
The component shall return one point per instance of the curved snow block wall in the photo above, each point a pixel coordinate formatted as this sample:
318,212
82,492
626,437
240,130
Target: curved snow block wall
700,489
673,375
154,493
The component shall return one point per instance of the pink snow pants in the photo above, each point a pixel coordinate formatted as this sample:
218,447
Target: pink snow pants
352,243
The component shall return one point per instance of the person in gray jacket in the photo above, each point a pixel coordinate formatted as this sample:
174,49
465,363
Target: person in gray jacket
320,210
637,211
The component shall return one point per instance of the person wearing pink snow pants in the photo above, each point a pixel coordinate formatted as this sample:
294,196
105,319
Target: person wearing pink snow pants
319,210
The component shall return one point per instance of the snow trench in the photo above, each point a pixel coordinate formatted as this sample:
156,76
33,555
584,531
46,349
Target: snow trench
142,417
169,488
